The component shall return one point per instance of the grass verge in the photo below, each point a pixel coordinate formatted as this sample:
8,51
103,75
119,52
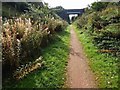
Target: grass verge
103,65
53,74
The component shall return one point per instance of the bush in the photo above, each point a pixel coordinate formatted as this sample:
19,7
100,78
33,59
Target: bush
22,41
19,38
102,24
98,6
59,26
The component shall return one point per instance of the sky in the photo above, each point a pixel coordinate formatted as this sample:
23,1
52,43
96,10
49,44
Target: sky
69,4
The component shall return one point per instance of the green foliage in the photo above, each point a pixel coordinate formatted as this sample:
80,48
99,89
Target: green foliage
98,6
9,7
112,30
60,26
58,9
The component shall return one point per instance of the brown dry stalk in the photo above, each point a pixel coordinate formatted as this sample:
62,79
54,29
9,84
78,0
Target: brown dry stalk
107,51
26,70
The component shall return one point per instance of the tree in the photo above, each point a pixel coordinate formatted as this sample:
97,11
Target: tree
98,6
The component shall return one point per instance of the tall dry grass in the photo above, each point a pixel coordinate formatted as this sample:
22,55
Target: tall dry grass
22,40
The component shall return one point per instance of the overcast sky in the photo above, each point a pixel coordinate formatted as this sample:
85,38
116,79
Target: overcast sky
69,4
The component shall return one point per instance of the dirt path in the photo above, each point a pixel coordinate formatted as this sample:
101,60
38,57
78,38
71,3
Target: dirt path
79,74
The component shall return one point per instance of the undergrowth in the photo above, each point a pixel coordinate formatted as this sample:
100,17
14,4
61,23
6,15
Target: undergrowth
52,74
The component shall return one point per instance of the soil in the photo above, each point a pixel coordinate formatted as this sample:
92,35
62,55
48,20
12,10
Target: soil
79,74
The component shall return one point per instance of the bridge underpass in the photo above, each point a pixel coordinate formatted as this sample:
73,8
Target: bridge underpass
67,14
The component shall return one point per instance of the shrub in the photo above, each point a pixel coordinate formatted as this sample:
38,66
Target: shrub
16,33
98,6
59,26
102,24
22,40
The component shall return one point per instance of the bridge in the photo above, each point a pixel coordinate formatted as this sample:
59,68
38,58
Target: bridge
74,11
64,14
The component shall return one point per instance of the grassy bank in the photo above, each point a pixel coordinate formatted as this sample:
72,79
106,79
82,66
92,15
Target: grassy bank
52,75
103,65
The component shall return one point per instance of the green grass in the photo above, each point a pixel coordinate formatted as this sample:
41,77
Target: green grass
104,65
52,75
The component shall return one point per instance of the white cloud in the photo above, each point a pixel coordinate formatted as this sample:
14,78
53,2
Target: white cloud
69,4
